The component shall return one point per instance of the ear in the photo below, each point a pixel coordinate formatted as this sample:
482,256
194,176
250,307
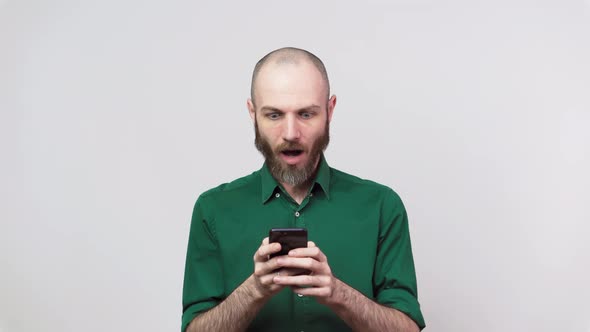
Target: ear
331,106
251,109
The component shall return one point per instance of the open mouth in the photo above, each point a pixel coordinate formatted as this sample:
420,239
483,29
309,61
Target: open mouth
292,153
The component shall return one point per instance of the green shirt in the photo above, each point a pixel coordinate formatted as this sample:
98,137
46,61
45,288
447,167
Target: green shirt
360,226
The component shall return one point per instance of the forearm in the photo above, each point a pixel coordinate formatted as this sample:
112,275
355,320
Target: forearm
363,314
235,313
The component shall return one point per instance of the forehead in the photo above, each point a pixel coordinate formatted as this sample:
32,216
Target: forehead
289,85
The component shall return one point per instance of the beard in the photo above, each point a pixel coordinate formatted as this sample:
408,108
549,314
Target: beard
292,174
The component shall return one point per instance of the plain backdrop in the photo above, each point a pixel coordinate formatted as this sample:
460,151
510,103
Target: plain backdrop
116,115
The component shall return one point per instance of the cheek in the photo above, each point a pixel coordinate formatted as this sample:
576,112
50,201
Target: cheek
270,133
315,133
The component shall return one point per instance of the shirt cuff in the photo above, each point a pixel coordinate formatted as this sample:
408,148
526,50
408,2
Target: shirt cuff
193,310
404,302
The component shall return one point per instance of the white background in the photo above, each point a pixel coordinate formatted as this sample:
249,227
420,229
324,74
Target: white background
116,115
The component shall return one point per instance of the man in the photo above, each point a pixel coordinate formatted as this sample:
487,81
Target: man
362,274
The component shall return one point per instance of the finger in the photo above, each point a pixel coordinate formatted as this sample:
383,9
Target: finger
284,272
265,250
268,279
313,291
307,263
304,252
310,244
313,252
301,280
266,267
265,240
288,271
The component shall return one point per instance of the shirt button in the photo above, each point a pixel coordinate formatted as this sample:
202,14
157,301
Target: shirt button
300,295
297,214
277,195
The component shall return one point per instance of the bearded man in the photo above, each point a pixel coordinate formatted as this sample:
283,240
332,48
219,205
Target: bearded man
361,270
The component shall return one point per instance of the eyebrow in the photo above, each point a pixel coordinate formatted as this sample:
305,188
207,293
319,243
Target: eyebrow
274,109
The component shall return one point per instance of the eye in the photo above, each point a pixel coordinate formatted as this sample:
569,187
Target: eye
306,115
273,116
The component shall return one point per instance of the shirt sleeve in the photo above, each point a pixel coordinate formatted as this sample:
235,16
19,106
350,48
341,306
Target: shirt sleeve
395,275
203,274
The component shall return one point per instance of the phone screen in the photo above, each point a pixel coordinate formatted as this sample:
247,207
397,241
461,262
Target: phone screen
289,238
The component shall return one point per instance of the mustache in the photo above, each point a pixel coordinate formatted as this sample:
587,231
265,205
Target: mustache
290,146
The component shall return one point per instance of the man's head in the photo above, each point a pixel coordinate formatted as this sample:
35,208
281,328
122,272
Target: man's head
291,111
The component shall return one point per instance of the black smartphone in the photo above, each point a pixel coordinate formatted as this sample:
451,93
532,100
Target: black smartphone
289,238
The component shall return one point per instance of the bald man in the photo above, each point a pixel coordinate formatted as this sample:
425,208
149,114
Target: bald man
359,261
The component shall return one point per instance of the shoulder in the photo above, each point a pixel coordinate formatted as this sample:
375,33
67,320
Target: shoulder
243,183
367,194
352,183
242,187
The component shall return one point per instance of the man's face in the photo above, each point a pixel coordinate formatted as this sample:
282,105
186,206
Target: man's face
291,120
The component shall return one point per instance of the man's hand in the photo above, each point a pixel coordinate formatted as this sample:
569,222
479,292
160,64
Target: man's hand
319,283
358,311
239,309
265,270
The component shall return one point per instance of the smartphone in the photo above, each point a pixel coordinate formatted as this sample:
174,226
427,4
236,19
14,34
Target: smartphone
289,238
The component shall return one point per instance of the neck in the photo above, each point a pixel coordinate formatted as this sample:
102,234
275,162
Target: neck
299,192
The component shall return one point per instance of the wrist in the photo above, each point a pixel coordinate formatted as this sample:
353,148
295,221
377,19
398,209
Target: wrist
339,295
253,291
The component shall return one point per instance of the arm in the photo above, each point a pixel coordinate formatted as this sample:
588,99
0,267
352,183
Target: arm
363,314
238,310
234,313
359,312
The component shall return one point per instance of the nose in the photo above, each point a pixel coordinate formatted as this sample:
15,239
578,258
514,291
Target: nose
291,131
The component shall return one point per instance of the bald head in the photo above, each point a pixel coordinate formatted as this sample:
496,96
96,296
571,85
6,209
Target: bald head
289,56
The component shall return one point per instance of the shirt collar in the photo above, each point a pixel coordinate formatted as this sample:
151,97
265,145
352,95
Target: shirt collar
270,184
